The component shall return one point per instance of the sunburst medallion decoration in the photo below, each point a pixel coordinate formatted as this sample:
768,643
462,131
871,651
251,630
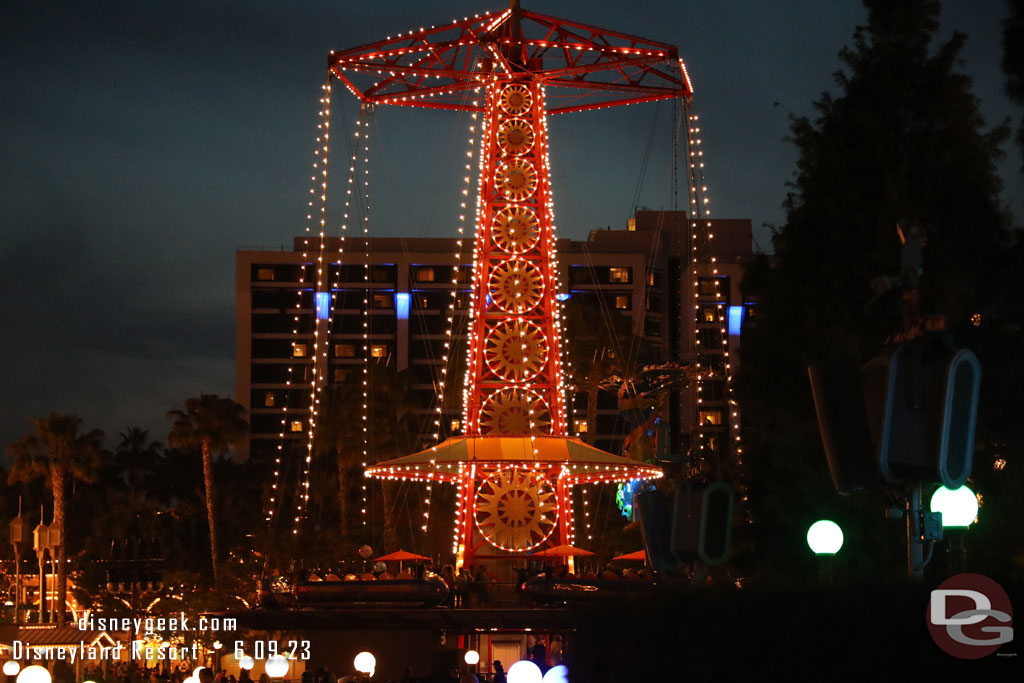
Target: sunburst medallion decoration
516,286
516,180
515,350
515,229
515,136
516,509
516,100
514,412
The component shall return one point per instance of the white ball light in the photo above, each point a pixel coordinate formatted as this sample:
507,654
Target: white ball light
365,663
11,668
472,657
276,666
34,674
524,671
825,537
958,507
195,672
246,662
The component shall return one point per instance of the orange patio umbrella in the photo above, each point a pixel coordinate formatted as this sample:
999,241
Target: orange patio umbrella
638,555
564,550
401,556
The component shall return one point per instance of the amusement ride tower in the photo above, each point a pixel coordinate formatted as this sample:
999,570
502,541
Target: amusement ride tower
516,465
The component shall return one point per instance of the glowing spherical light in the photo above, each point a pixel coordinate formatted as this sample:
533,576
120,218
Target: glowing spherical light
195,672
365,663
472,657
191,679
246,662
557,674
276,666
825,537
11,668
524,671
34,674
959,507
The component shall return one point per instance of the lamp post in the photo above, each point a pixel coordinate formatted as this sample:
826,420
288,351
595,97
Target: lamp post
825,538
17,538
959,509
40,543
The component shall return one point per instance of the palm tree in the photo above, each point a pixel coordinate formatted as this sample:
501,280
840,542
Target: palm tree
57,452
339,432
137,458
212,424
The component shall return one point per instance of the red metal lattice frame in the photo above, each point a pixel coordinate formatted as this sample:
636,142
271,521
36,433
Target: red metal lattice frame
583,67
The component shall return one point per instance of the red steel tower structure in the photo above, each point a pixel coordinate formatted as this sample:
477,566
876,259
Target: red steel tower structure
516,465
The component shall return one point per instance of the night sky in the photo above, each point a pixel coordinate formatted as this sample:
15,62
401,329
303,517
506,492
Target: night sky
144,142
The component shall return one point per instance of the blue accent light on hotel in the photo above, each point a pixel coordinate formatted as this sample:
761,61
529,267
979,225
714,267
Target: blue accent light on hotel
402,300
735,319
563,296
323,305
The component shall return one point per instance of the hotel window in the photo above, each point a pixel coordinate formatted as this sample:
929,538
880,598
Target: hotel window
268,399
619,275
456,424
622,302
581,426
383,301
298,350
650,278
340,375
708,314
425,274
379,350
382,274
296,425
345,350
424,301
710,417
708,286
265,274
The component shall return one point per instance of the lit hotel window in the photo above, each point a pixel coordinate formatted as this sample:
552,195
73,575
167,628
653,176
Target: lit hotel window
456,424
622,302
383,301
619,274
424,274
340,375
581,426
711,417
265,274
298,350
296,425
268,399
379,350
344,351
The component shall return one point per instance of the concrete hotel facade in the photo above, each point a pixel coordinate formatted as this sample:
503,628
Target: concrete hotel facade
641,272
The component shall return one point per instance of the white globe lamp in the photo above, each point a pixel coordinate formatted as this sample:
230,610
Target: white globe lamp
472,657
34,674
524,671
246,662
365,663
959,507
11,668
276,666
825,537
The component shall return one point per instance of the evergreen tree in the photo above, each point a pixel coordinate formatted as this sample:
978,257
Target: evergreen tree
1013,59
901,138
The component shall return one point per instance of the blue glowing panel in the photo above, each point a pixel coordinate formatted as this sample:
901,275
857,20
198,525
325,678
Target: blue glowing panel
735,319
402,300
563,296
323,305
